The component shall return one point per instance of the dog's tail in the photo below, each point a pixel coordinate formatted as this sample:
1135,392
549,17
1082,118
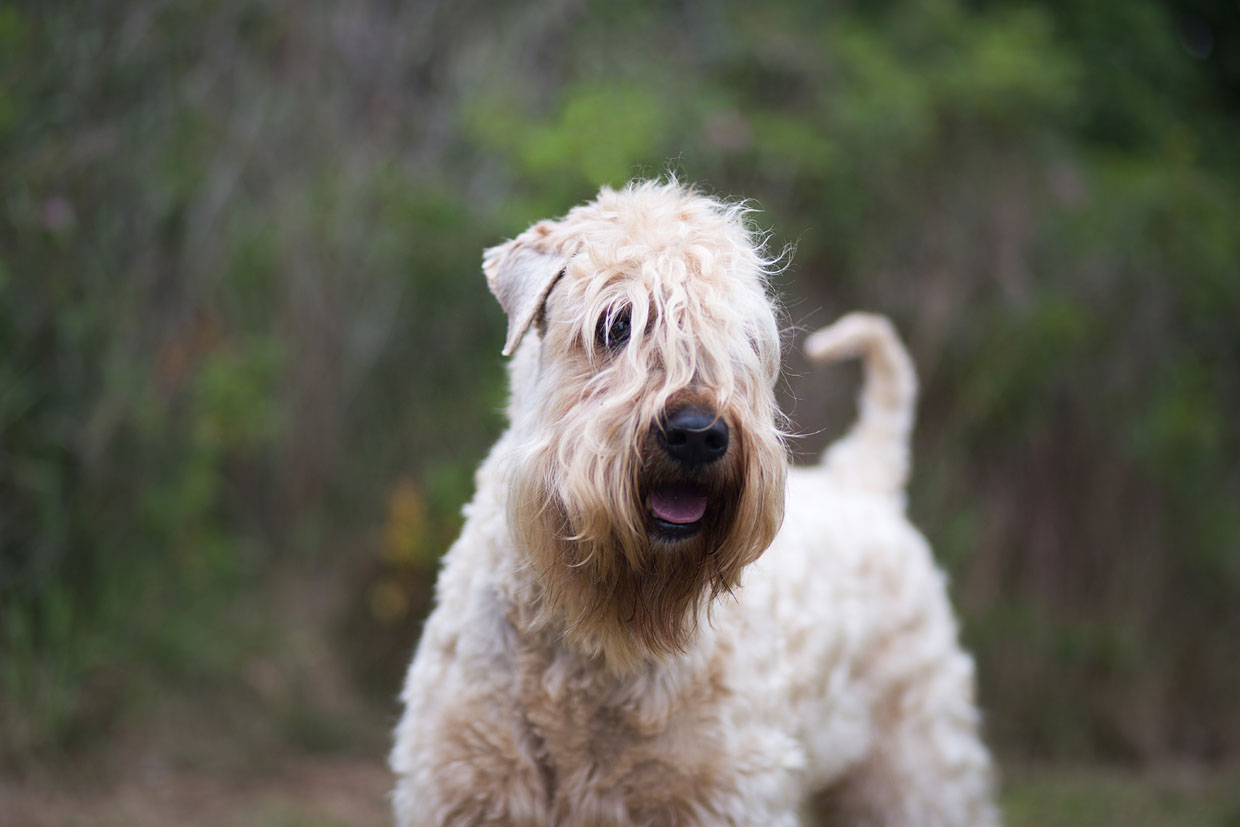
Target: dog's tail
875,453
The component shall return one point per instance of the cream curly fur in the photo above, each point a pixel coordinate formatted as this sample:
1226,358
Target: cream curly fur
582,669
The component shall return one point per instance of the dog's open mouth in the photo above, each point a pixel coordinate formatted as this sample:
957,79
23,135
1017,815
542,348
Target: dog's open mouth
676,511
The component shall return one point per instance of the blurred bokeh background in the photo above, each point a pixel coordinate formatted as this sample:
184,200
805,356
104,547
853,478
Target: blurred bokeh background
248,362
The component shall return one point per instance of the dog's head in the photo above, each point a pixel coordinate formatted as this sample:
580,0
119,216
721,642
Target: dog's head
647,465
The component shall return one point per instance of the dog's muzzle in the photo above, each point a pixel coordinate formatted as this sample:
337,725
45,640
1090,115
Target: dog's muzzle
692,438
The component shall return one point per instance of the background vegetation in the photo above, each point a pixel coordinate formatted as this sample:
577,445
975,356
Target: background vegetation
248,362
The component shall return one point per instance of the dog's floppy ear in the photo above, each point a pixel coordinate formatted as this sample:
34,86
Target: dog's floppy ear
521,273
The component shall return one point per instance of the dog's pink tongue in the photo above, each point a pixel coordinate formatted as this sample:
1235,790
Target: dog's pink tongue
678,504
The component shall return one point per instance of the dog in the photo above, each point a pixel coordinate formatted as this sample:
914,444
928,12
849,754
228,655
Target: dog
649,618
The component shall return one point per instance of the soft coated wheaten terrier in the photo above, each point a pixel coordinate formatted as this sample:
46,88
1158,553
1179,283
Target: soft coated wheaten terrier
624,634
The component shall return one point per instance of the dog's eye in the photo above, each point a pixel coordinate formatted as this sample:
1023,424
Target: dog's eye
616,335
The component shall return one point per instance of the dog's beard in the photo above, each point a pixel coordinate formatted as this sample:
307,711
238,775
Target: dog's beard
604,576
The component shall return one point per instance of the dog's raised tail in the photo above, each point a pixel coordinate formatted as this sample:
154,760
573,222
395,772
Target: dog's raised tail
875,452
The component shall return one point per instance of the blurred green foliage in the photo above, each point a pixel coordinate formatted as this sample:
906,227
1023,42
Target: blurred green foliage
243,334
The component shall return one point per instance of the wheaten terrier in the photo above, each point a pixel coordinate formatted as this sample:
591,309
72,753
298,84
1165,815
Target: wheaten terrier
624,634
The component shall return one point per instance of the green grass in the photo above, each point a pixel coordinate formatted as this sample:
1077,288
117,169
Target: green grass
1095,797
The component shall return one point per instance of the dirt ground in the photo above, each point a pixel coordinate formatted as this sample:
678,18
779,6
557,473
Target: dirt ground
309,791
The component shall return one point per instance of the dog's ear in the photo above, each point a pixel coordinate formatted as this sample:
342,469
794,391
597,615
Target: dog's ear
521,273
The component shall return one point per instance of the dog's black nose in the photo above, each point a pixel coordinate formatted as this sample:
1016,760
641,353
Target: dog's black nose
694,436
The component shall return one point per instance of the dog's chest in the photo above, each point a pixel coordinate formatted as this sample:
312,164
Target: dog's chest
666,746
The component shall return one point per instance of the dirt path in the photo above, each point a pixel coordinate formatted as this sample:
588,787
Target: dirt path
307,791
296,792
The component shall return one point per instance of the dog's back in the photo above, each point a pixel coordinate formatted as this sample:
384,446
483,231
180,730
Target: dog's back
862,641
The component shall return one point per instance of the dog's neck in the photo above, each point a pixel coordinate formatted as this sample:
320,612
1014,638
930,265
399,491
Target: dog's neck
542,646
609,649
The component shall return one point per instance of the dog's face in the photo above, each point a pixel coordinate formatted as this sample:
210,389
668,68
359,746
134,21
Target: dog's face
647,466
